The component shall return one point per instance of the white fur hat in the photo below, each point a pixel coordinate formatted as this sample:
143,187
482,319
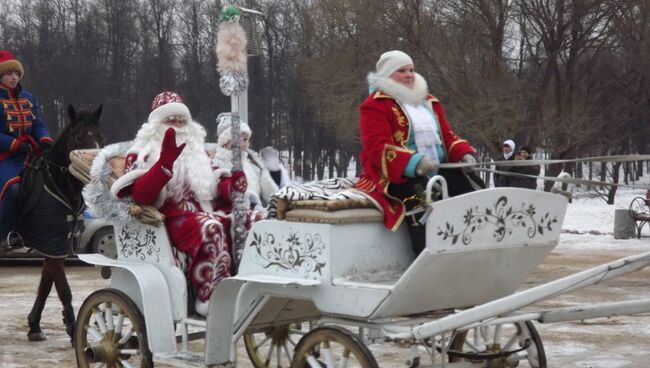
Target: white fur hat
390,61
224,122
167,104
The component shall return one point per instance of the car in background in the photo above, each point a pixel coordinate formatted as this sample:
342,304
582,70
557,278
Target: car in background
97,236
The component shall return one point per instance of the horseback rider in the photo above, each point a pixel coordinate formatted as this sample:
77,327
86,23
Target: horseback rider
21,131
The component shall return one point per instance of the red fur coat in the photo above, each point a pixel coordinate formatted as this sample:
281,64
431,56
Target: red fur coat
385,131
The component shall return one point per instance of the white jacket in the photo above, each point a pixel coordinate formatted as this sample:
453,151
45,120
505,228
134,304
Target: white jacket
260,183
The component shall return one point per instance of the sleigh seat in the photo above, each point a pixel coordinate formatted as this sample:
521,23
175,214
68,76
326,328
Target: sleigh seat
340,211
332,201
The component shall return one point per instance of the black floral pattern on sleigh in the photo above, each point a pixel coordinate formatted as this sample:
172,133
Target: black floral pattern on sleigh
502,218
294,254
137,243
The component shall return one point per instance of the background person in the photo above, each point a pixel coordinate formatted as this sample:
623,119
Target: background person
522,182
507,154
272,162
21,131
260,183
404,137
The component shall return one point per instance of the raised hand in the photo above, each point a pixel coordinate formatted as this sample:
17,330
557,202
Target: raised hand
169,151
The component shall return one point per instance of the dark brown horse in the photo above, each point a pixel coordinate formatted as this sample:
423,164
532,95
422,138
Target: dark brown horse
50,202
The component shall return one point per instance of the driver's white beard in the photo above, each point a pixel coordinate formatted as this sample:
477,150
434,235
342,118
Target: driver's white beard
192,169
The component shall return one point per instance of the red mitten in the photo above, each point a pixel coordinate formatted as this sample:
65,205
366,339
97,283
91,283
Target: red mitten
239,182
169,151
223,191
146,188
229,184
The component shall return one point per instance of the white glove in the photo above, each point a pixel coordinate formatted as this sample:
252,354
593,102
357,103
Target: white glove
426,165
469,159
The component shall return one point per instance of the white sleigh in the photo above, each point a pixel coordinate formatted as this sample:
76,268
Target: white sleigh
331,269
480,246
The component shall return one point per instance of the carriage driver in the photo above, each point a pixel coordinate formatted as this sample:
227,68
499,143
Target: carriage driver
404,137
168,167
21,131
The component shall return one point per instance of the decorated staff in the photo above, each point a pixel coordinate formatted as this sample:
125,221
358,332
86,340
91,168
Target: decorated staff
232,66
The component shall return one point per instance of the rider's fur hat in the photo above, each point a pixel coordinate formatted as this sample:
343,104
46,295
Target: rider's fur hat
8,63
168,104
224,122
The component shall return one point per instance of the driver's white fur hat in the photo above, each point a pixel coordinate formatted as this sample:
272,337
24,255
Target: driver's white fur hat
390,61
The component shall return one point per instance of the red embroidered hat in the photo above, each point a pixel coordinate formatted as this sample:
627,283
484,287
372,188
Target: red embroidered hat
167,104
9,63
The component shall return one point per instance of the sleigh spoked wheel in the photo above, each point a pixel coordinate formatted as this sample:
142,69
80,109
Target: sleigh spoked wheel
332,347
273,346
110,332
503,345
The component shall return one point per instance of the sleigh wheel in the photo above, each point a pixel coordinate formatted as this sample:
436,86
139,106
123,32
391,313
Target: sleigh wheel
332,347
273,346
110,332
505,345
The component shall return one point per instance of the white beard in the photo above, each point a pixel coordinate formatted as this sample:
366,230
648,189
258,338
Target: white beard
193,173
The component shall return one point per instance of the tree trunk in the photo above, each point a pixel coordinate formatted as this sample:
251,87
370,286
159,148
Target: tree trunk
611,194
551,170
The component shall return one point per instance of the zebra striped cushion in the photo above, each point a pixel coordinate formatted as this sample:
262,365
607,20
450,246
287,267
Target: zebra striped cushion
325,195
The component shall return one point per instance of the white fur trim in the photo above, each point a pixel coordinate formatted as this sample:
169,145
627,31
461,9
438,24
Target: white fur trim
222,172
130,178
399,91
126,180
169,109
105,154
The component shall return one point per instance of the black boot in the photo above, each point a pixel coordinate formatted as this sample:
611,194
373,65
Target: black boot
418,237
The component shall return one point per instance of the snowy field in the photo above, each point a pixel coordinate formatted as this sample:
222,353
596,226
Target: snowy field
587,241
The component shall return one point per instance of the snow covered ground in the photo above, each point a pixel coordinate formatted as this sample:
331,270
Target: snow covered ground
587,240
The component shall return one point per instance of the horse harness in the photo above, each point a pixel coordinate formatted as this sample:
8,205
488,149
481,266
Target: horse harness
37,179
